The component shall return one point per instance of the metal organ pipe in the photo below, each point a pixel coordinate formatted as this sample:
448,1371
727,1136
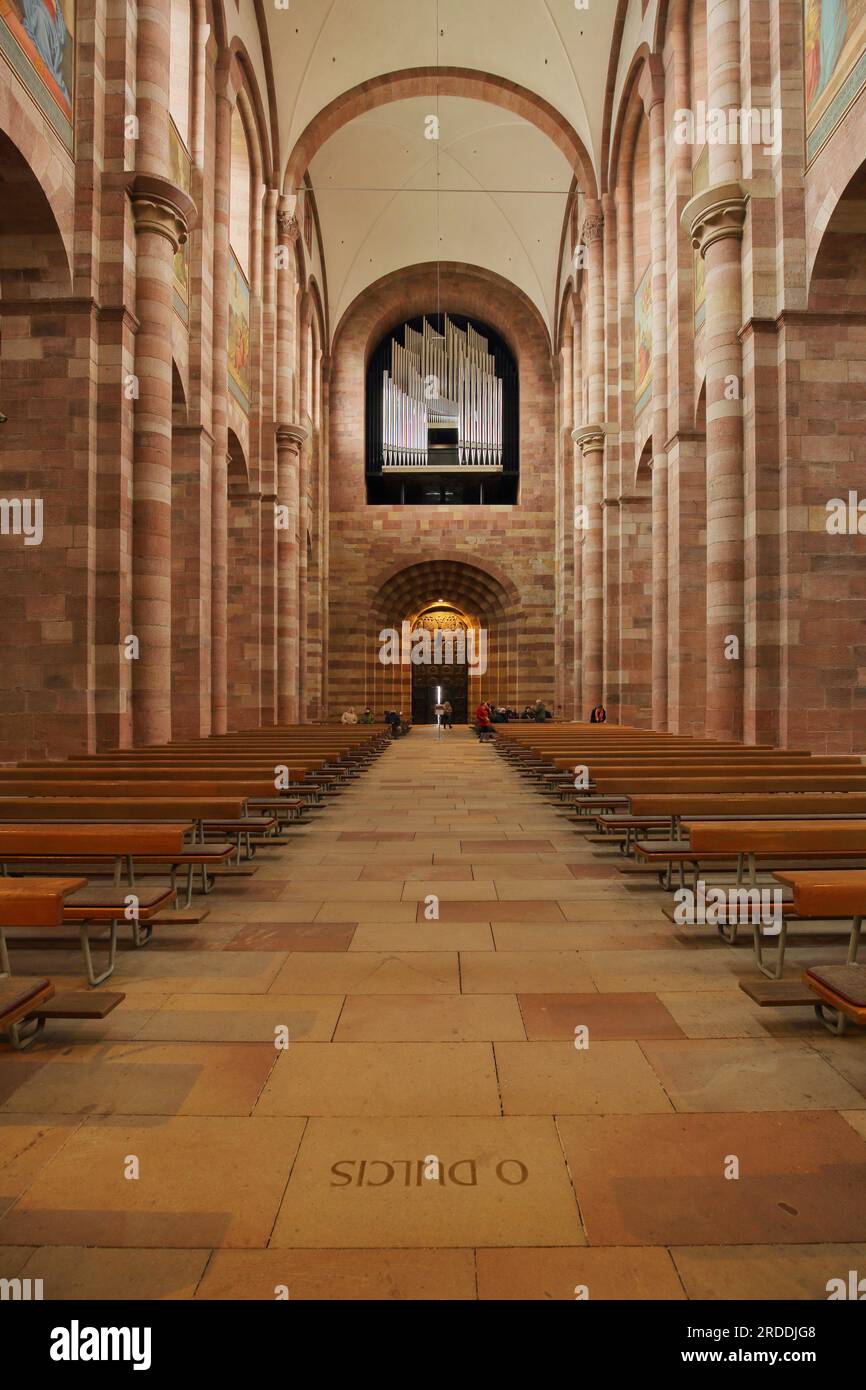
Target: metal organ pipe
444,378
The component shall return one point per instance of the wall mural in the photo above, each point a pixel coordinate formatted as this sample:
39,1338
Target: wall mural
38,39
239,334
835,64
643,342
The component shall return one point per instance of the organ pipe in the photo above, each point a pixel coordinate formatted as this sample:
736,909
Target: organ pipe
446,380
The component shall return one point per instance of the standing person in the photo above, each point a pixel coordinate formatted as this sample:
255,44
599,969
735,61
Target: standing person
448,716
482,722
598,715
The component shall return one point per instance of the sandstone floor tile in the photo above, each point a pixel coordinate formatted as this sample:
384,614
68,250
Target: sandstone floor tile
605,1078
705,1014
401,872
293,936
155,970
560,889
69,1272
534,972
749,1074
376,1078
347,1275
471,845
363,913
857,1121
469,911
608,1017
760,1272
471,890
13,1259
585,1272
424,936
846,1058
679,967
429,1018
369,972
244,1018
332,886
575,936
396,836
139,1078
359,1183
197,1189
27,1144
279,911
660,1179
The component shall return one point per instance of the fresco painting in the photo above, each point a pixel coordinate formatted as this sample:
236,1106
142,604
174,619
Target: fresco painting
834,48
38,39
643,342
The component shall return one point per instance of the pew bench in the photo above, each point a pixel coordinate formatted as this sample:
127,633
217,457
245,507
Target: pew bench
27,1003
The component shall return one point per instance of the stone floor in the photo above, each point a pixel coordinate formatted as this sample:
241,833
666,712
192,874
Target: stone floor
432,1131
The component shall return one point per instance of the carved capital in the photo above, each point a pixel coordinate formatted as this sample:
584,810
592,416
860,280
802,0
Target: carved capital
593,228
590,438
288,228
160,206
292,436
717,214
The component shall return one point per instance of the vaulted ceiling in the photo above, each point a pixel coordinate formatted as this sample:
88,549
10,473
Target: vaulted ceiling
492,190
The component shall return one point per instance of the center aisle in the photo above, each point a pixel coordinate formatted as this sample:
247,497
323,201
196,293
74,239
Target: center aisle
433,945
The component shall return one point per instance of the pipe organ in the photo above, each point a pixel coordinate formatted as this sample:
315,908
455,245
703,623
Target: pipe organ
441,400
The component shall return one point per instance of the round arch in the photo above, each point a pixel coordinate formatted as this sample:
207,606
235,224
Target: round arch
441,81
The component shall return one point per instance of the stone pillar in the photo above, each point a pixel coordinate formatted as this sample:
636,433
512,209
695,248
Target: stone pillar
219,465
590,438
714,220
290,441
290,438
162,214
652,96
565,521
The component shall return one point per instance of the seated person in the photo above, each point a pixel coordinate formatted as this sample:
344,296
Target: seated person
598,715
349,716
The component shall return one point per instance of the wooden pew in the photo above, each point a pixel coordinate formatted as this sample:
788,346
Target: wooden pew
41,902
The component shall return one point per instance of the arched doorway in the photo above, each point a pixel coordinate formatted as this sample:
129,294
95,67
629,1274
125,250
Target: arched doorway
446,677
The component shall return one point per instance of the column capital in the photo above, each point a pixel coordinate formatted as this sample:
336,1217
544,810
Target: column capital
293,435
717,214
593,227
590,438
160,206
288,229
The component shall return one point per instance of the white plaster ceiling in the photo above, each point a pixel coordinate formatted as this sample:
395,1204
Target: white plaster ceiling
491,191
323,48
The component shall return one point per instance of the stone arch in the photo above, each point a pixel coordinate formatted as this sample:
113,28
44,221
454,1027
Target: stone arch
443,81
35,250
404,294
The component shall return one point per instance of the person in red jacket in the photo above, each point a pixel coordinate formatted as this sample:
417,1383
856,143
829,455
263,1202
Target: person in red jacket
482,722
